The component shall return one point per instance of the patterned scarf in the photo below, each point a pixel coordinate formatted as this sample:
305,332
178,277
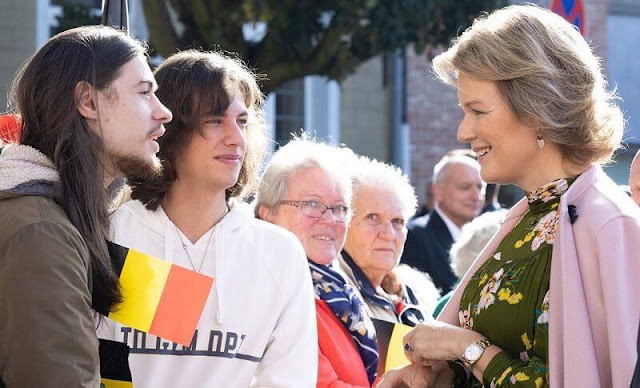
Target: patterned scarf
332,288
406,308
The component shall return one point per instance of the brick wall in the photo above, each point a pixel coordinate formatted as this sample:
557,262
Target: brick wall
432,107
433,116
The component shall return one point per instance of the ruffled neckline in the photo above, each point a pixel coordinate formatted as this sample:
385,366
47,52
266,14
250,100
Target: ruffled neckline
548,194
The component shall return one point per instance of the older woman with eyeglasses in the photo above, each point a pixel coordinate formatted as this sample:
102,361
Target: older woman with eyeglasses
307,190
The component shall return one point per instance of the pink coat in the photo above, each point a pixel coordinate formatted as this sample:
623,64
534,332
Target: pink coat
595,284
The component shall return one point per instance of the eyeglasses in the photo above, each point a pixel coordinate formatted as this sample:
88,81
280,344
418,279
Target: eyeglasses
315,209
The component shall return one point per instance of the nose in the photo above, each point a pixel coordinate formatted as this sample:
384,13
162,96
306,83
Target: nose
465,131
479,193
161,113
235,135
386,231
328,217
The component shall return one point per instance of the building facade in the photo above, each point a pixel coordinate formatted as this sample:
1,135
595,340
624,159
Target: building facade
392,108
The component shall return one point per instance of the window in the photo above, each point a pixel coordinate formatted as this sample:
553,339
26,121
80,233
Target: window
289,110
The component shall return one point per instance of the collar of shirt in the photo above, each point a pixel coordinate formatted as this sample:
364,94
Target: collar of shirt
365,286
453,228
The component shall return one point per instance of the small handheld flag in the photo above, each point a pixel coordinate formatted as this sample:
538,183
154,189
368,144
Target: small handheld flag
114,365
158,297
390,347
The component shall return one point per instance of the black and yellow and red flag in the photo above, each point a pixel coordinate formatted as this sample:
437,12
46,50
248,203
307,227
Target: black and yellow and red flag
114,365
390,346
158,297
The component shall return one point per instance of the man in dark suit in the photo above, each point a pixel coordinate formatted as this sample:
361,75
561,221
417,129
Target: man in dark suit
459,197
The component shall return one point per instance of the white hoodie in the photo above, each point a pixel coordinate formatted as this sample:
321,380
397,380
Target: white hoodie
258,327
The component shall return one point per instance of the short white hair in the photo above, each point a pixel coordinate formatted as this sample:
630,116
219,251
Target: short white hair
473,238
374,174
441,169
298,155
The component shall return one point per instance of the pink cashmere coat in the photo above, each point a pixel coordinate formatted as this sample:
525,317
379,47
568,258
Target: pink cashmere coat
594,288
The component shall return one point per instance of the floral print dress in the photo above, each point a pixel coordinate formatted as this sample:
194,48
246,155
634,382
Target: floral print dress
507,299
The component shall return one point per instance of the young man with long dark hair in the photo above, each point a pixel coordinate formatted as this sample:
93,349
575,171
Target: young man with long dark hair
258,326
89,116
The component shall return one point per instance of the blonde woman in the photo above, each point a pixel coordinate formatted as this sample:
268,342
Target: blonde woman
553,298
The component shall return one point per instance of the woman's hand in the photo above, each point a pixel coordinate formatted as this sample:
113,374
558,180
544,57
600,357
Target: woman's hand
434,341
409,376
391,284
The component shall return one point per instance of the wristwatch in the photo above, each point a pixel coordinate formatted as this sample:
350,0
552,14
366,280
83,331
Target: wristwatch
473,352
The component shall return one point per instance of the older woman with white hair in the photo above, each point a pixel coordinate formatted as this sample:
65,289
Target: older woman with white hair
383,201
307,190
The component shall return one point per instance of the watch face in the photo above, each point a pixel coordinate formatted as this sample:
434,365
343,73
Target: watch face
473,352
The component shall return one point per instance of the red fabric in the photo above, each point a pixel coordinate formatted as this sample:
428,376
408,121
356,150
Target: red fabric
10,128
400,306
339,363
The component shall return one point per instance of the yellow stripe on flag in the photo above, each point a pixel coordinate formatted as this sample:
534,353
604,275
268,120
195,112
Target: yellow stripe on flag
108,383
395,354
142,282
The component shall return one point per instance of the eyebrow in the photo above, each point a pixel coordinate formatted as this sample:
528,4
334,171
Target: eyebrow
149,83
472,102
243,113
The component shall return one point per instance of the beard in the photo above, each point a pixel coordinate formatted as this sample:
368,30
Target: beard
136,169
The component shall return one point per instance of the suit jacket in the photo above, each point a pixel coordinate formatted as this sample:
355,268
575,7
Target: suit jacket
427,249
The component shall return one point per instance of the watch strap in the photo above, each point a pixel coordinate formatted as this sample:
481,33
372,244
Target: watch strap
483,344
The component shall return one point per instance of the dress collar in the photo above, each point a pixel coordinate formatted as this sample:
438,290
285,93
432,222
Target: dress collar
548,196
550,191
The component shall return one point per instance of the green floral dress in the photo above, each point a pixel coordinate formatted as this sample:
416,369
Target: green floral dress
507,299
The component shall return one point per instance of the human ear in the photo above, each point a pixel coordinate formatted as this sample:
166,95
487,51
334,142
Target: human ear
265,213
438,192
85,96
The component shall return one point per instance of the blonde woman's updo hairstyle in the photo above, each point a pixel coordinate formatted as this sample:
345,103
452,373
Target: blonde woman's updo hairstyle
547,73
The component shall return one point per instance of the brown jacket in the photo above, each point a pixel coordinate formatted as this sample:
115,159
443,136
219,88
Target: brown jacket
47,330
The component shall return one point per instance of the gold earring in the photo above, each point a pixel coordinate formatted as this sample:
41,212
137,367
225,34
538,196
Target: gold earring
540,141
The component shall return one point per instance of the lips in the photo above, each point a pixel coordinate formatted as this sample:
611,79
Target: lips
323,237
481,151
153,138
229,157
154,134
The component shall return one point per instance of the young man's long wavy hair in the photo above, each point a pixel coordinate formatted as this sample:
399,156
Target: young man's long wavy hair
43,93
195,85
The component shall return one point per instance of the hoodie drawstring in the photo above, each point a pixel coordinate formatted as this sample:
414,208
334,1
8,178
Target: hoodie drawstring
218,268
169,238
